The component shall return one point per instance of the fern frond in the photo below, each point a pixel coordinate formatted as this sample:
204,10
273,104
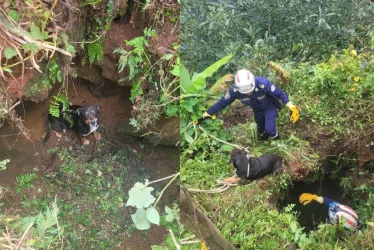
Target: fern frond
136,89
96,51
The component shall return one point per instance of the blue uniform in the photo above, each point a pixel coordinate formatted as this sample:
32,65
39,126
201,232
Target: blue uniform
263,100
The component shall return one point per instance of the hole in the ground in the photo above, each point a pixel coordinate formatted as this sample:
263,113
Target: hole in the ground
327,185
313,214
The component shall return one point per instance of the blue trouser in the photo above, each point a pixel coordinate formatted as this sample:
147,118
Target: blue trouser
266,122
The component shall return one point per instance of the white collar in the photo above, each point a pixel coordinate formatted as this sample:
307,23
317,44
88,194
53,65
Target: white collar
248,168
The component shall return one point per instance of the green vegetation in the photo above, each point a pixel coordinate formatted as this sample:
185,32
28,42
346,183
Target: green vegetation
161,78
256,32
90,193
24,181
327,71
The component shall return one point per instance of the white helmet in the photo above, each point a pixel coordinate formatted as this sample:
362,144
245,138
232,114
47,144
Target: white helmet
245,81
342,211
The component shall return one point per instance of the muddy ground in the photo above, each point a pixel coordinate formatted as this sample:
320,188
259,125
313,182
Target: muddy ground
142,160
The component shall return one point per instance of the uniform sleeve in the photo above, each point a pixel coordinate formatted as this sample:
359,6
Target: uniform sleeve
223,102
272,90
327,201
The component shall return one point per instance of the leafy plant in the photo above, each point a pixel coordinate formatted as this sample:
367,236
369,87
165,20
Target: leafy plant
136,59
3,164
95,51
61,100
24,181
140,197
42,230
302,31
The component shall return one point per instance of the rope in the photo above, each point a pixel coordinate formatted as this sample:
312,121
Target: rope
225,185
225,142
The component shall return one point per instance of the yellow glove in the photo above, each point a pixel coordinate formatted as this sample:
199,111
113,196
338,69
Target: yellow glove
294,117
203,246
205,115
306,198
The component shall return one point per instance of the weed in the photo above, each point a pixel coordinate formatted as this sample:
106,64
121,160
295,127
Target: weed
3,164
24,181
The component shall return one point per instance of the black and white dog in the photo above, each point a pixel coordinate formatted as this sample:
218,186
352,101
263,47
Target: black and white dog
248,168
84,120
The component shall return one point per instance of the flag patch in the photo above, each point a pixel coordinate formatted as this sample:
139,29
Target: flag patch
227,96
272,88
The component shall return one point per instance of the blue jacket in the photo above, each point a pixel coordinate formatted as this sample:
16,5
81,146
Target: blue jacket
264,94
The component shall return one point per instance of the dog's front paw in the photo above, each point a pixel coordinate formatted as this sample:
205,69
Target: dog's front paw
59,135
243,181
231,180
97,136
85,141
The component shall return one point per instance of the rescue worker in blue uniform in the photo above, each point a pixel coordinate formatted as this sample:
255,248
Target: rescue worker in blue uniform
336,211
264,98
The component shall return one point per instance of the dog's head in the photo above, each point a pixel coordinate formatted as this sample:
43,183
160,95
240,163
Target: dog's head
89,114
238,157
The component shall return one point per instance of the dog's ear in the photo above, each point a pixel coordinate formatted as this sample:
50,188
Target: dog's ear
232,159
243,152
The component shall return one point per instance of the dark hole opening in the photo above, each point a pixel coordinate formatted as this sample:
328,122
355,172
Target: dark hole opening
313,214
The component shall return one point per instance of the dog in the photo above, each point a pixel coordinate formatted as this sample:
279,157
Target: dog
84,120
253,168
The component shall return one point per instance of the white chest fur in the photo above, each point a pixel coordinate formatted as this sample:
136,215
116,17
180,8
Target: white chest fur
93,128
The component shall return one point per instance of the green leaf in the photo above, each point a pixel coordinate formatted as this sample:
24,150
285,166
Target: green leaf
14,15
170,216
140,219
226,148
35,32
46,14
70,48
9,52
167,57
140,196
30,47
6,69
59,76
370,223
188,138
199,82
185,80
220,84
153,216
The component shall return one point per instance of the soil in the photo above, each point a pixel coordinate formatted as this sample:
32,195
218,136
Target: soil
27,156
120,31
167,34
236,114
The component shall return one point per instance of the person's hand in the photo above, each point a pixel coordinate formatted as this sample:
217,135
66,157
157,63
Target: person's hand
306,198
205,115
294,117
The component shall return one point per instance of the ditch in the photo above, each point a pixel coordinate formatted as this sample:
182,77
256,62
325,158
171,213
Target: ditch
91,182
